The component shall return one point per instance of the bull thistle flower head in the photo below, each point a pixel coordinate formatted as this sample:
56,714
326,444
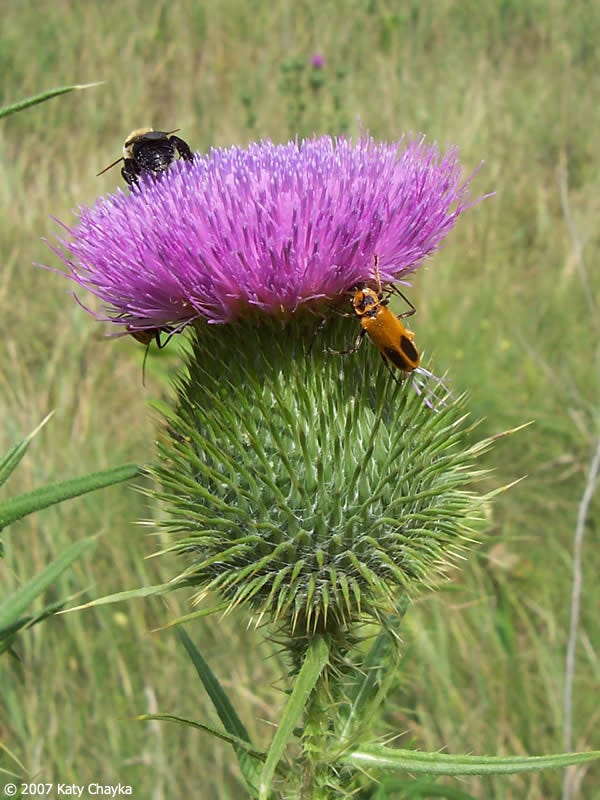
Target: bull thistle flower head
308,486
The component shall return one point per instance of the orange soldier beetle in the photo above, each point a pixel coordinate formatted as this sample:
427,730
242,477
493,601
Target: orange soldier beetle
386,330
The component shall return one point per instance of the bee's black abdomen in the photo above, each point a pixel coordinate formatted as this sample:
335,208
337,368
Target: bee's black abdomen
154,156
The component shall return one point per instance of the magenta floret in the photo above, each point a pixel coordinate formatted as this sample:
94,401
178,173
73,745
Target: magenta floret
266,228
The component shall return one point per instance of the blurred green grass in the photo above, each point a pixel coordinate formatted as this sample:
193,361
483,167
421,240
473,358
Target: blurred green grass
503,307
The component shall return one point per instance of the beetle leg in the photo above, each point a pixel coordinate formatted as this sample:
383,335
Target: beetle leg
322,324
352,349
411,310
396,378
316,332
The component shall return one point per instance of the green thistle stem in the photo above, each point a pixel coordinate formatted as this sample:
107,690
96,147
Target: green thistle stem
317,777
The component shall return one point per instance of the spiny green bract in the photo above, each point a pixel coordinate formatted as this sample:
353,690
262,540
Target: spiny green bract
309,485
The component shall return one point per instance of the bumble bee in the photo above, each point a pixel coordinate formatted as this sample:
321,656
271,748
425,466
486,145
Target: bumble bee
149,151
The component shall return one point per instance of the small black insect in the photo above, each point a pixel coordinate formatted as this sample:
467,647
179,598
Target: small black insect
149,151
148,335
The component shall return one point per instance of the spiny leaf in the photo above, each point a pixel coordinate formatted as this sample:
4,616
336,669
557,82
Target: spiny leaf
19,507
380,757
129,594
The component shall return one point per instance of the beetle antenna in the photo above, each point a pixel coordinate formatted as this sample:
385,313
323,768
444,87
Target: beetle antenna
377,276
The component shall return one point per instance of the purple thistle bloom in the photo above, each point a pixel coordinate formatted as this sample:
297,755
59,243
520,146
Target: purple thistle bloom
317,61
270,228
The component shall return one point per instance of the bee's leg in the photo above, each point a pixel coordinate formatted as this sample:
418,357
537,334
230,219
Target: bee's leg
352,349
182,148
130,171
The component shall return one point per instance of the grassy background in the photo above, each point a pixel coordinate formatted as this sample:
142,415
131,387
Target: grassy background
509,307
